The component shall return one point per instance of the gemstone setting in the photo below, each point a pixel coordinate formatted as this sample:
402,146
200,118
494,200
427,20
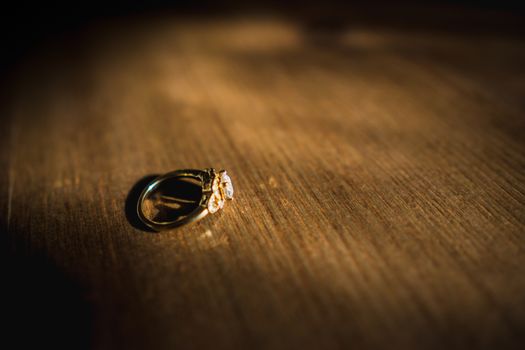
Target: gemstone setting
221,190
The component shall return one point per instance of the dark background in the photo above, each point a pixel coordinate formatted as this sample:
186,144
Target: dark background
26,24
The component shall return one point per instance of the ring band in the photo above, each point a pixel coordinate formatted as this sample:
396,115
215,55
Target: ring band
216,188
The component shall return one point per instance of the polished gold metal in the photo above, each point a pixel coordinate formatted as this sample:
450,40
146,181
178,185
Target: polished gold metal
216,189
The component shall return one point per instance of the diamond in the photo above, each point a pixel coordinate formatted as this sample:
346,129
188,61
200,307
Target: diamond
227,186
215,203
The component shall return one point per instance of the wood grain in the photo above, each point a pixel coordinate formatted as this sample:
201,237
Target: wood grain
379,180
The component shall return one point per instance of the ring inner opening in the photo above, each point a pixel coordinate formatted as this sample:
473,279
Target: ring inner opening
172,199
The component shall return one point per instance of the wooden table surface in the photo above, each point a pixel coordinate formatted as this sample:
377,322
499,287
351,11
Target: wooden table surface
379,177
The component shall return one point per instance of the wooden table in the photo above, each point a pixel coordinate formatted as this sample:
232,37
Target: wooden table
379,177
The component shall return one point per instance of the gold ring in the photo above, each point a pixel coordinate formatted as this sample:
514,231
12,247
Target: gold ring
215,189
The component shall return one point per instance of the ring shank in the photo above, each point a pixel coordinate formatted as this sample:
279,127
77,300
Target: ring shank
197,214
